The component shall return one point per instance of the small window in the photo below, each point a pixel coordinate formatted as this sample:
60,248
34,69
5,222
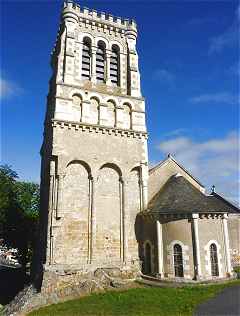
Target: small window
77,106
127,116
115,66
101,62
86,59
214,260
178,261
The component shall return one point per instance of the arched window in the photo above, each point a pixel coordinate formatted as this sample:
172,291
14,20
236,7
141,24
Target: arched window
86,58
93,111
115,66
178,260
127,116
77,106
111,114
100,62
147,259
214,260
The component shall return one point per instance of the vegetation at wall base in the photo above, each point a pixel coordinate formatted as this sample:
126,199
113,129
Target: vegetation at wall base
237,269
140,301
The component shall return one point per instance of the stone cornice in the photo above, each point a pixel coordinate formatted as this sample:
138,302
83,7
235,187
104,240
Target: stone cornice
178,216
92,128
95,90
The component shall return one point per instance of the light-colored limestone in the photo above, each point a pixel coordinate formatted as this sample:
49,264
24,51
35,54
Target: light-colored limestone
96,143
95,178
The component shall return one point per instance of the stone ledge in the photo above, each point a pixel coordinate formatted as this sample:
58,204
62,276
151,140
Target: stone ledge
85,127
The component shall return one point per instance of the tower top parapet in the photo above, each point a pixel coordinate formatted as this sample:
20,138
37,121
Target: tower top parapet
92,15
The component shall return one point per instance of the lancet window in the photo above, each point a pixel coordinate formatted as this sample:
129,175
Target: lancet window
86,59
214,260
115,66
101,62
178,260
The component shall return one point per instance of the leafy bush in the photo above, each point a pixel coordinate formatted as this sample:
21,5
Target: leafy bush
237,269
19,212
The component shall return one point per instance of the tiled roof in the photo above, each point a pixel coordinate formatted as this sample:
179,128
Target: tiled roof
179,195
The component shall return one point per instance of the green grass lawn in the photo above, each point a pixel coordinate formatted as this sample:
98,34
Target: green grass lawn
151,301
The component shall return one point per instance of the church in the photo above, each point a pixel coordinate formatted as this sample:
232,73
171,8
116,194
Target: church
102,206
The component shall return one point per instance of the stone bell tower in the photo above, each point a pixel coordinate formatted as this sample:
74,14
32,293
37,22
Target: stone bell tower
94,154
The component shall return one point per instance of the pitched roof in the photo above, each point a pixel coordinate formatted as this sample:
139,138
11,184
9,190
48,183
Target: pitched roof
170,157
178,195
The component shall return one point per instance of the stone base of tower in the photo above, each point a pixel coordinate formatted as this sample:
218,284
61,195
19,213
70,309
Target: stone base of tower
61,283
58,277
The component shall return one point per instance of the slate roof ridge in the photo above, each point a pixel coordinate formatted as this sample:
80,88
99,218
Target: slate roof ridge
223,199
170,157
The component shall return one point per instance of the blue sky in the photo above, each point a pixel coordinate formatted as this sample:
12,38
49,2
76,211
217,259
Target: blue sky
189,63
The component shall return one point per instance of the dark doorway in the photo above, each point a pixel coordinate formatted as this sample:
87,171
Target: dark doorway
178,261
214,260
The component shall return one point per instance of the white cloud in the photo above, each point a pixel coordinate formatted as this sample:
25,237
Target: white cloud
175,132
164,76
227,39
9,88
214,161
220,98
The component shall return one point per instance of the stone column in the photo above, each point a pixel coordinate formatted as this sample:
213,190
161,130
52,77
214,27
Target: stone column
144,184
226,241
93,65
144,189
124,222
79,47
93,221
160,248
108,61
59,196
50,215
196,252
123,74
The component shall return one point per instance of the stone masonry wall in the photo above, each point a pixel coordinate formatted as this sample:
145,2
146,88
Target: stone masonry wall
113,164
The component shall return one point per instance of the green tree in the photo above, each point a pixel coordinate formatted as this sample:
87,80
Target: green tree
28,197
10,213
19,209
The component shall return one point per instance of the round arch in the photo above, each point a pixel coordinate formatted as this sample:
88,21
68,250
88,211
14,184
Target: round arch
101,39
76,93
87,36
118,45
83,163
113,166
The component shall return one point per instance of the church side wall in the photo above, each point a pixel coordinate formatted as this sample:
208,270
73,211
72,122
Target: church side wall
147,236
177,232
211,231
234,238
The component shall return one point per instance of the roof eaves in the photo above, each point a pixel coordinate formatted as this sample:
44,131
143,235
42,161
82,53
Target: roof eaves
218,196
158,165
